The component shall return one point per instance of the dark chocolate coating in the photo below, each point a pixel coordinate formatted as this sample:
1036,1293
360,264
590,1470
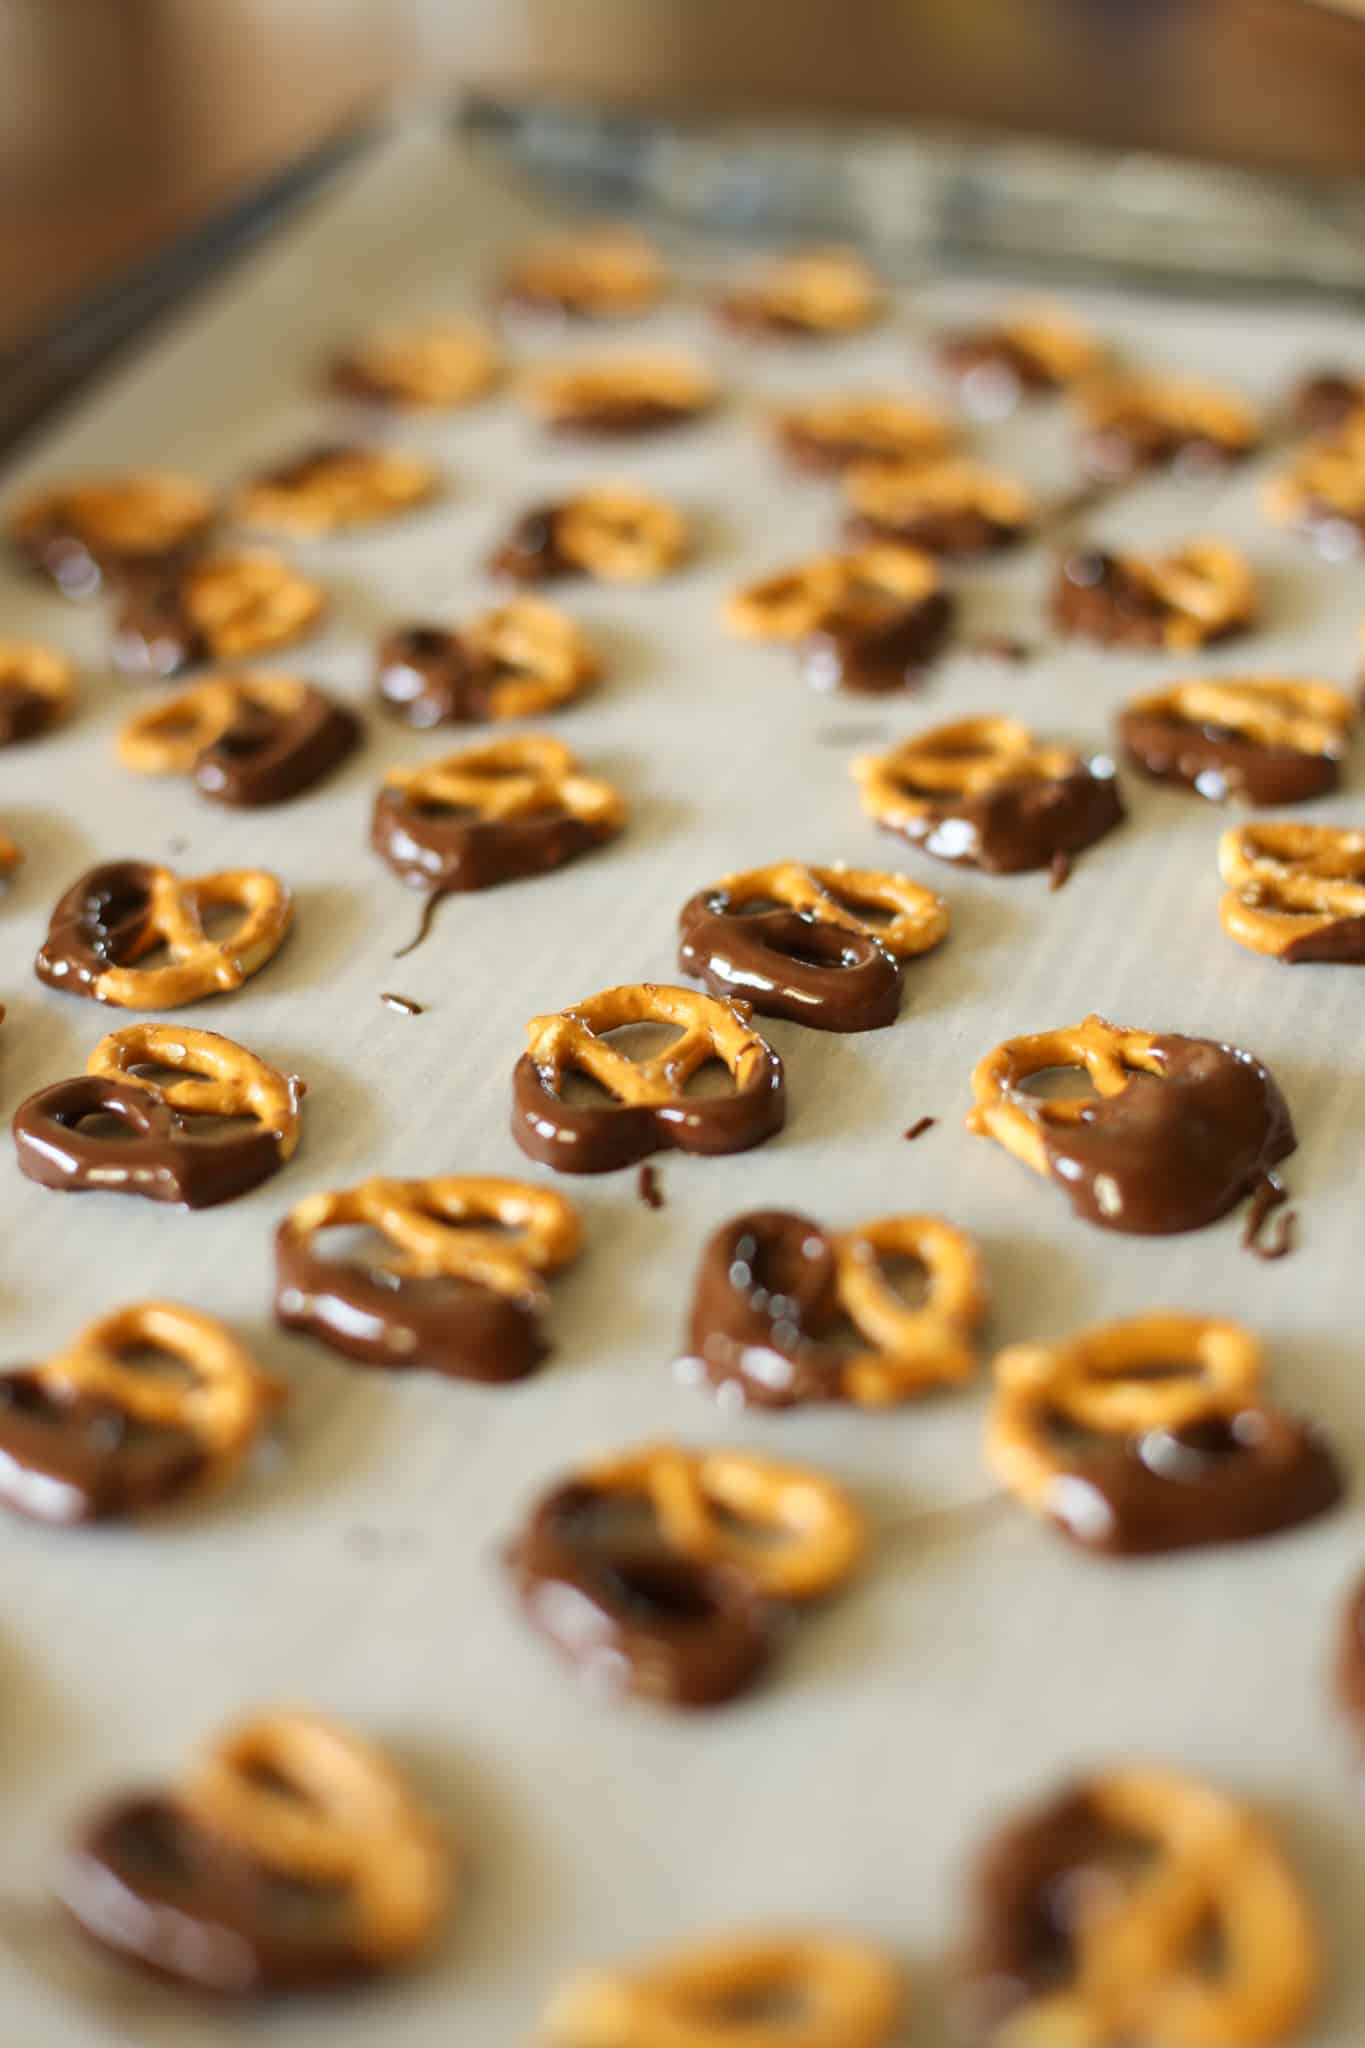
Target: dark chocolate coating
428,676
939,529
80,567
1095,597
1257,1473
1350,1670
24,713
1340,943
623,417
148,1881
530,553
592,1137
1219,763
445,851
989,353
1142,440
637,1617
1325,401
378,1317
158,1154
874,655
764,1310
1017,826
100,922
154,634
786,963
1174,1150
268,757
82,1459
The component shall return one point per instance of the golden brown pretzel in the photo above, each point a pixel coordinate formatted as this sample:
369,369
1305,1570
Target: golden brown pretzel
30,670
547,657
618,386
809,1536
434,1228
610,274
314,1804
440,362
909,1349
852,428
222,1079
245,603
1202,591
620,534
966,758
513,778
143,514
222,1399
814,291
573,1039
170,735
741,1991
1105,1380
893,493
1064,349
1327,478
1272,711
1286,883
1183,404
918,919
830,588
1138,1962
1107,1054
199,965
332,488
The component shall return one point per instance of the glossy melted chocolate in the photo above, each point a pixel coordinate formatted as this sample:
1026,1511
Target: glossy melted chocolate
432,847
162,1153
266,757
154,634
530,553
591,1137
879,649
82,1459
1096,597
24,713
1175,1150
427,675
1019,825
634,1615
379,1317
100,922
788,964
764,1311
1219,763
151,1883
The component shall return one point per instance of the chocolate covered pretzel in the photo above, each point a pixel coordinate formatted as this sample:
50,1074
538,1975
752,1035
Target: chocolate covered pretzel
115,914
1261,739
243,739
517,661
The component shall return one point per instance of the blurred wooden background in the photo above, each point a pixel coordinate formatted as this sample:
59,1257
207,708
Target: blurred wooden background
121,120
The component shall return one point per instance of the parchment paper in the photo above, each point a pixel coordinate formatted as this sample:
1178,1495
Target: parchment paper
357,1567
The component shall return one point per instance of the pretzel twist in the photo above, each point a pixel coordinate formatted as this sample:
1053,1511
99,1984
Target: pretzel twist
1107,1053
221,1079
512,778
890,493
245,603
39,671
918,919
338,487
710,1030
546,658
619,534
1182,403
830,589
433,1227
1271,711
909,1349
808,1534
566,393
440,363
147,512
1286,882
222,1398
342,1816
825,291
1160,1371
825,1991
170,735
608,275
1139,1970
964,759
199,965
879,429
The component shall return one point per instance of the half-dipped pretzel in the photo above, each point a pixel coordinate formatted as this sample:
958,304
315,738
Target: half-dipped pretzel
619,394
611,273
613,532
868,619
1322,493
37,686
189,1882
245,739
116,914
982,792
830,434
1028,352
793,942
1264,739
492,814
1176,1131
81,534
811,292
784,1312
517,661
459,1287
216,607
1136,422
948,508
1296,892
92,1433
158,1150
650,1107
329,488
1202,592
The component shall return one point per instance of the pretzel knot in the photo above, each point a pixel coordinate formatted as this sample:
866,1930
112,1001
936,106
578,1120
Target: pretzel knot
169,737
540,658
830,591
916,920
221,1079
1108,1055
1295,891
1323,487
37,686
1180,405
1061,349
443,363
142,515
316,1806
951,507
1308,717
153,907
221,1398
791,1531
620,393
909,1349
434,1229
813,291
820,1990
1139,1930
964,759
327,489
608,275
830,433
512,778
619,534
232,605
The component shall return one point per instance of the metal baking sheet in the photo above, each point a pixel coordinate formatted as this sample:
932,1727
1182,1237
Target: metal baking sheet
357,1568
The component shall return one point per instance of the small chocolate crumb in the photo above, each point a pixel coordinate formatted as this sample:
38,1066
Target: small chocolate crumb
1000,647
926,1123
1270,1196
404,1004
1059,871
651,1194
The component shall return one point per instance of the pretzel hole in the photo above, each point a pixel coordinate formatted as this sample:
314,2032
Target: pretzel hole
103,1124
141,1355
906,1275
1059,1084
